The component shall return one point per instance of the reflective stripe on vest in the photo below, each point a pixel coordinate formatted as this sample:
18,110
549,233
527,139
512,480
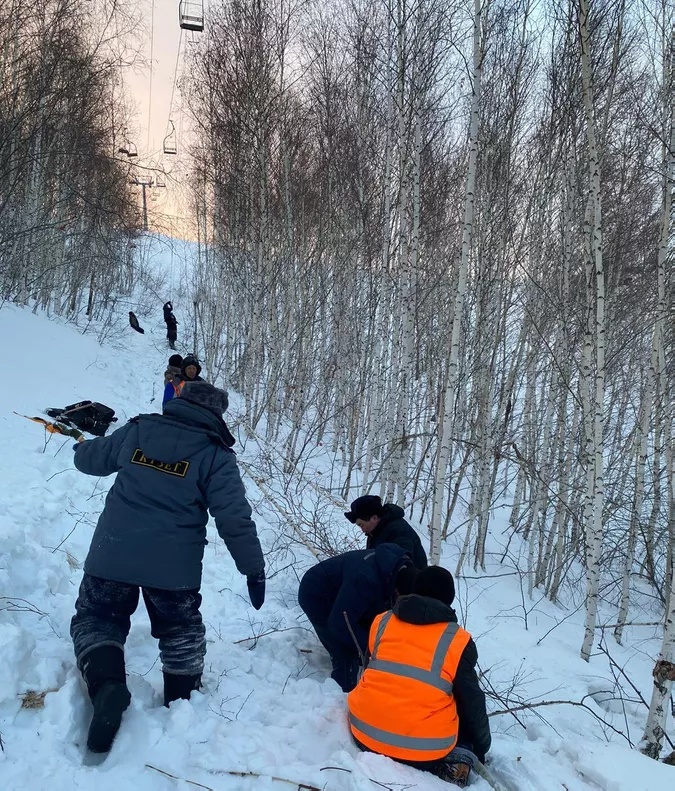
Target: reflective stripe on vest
432,677
404,742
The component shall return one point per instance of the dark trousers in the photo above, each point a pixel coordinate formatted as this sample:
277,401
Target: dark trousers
461,753
103,617
317,604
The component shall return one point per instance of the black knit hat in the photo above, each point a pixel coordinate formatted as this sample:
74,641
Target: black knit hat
405,580
190,360
176,360
364,507
206,395
436,583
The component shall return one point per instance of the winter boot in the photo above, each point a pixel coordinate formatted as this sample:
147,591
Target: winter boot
456,767
458,774
179,687
104,674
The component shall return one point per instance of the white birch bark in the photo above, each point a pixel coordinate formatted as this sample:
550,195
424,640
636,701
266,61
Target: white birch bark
596,318
641,441
658,708
451,389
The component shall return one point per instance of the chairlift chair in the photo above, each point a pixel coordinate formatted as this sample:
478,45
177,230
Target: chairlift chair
191,15
169,144
128,149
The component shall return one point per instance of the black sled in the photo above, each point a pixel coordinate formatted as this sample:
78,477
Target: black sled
89,416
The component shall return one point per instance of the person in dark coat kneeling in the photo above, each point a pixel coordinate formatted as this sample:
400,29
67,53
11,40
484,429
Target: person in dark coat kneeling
172,470
419,700
342,595
133,321
384,524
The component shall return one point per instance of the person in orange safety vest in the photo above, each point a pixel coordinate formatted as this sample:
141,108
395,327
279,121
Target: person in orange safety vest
419,700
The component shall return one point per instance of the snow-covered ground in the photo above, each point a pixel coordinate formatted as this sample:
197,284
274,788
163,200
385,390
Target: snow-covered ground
267,706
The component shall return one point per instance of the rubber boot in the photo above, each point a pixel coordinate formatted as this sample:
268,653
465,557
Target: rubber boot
179,687
105,677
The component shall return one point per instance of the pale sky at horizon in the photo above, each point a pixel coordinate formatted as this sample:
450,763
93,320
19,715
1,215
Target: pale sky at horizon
151,103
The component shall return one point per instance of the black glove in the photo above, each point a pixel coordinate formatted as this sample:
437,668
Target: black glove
256,589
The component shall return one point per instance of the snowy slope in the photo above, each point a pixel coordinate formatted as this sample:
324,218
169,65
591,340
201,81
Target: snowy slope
267,706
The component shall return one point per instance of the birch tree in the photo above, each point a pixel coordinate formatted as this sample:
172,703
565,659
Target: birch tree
450,388
652,739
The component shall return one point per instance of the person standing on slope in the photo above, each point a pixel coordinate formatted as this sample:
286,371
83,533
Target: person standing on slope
189,372
384,524
172,470
171,325
170,376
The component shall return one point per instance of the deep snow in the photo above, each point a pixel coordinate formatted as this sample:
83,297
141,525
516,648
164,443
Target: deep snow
267,705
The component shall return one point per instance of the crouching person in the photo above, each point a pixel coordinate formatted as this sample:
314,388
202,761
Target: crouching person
171,470
419,700
342,595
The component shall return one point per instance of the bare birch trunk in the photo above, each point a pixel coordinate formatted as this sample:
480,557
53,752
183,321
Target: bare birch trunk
658,711
641,441
448,411
595,277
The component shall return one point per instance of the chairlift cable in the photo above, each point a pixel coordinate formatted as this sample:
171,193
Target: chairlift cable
175,72
152,49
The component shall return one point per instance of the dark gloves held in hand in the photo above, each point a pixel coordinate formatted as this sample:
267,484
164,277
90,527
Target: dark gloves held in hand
256,589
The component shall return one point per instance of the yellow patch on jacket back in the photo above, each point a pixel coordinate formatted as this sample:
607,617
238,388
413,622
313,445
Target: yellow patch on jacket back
178,468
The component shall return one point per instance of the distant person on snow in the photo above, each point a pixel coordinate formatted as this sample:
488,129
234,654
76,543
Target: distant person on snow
189,372
419,700
384,524
134,323
172,470
171,325
342,595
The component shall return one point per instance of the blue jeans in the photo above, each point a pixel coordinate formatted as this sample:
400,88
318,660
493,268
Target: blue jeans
103,617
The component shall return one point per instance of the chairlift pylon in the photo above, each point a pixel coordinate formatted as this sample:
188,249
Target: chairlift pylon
169,144
191,15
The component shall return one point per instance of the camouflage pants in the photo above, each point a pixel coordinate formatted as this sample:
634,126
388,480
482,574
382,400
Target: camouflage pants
103,617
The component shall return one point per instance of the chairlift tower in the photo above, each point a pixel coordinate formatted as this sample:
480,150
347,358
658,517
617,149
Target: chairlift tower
144,182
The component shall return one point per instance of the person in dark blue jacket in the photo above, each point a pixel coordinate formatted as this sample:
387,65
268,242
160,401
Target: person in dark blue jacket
384,524
342,595
172,470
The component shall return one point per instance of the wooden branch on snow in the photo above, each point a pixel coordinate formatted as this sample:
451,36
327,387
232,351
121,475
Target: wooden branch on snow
257,637
299,786
578,703
349,771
